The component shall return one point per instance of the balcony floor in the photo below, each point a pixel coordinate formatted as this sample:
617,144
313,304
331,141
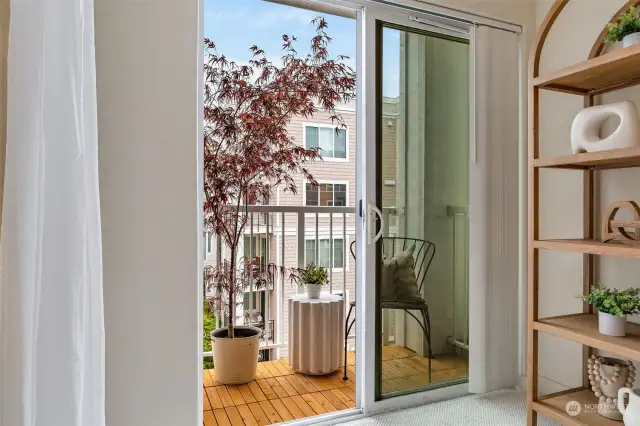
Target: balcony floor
280,393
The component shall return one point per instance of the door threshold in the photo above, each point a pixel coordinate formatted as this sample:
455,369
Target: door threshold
329,418
419,399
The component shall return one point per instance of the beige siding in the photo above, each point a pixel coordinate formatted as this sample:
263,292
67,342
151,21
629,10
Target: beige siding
327,169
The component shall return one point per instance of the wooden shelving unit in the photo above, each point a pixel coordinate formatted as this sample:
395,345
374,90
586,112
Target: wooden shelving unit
599,74
605,73
589,246
583,329
613,159
554,407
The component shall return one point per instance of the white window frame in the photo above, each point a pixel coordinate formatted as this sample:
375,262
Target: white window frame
208,243
321,182
324,235
327,126
256,235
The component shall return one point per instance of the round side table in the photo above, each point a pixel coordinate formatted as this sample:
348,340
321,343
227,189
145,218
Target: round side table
316,333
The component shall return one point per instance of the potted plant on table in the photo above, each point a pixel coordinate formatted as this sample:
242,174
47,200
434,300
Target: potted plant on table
613,307
312,278
248,152
627,29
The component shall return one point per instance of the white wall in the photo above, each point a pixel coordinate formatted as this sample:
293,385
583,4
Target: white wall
4,45
570,41
147,72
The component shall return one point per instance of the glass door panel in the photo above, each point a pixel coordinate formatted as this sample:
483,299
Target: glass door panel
423,190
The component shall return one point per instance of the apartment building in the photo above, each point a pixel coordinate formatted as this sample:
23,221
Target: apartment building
326,237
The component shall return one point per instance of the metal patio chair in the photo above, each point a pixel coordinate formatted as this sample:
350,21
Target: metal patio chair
423,254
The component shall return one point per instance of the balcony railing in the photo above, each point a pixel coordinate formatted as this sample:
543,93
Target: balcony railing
287,236
293,236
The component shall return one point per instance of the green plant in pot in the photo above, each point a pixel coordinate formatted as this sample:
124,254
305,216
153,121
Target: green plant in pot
627,29
613,306
313,278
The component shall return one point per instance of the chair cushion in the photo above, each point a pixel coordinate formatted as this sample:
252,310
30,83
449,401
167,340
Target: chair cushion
398,280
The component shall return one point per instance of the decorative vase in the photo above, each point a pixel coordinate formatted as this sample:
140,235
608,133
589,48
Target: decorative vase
313,291
607,376
612,325
630,413
631,39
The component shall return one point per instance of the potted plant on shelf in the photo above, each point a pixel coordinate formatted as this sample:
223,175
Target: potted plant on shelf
613,307
313,278
627,29
248,152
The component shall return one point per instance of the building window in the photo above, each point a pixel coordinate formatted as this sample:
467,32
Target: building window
254,250
331,141
208,245
326,195
324,252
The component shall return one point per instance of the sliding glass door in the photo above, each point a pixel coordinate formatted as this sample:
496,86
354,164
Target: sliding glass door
416,198
423,184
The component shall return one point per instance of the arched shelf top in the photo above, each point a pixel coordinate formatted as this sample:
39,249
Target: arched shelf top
550,20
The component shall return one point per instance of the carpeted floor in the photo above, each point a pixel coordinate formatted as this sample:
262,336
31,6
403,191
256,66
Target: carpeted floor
502,408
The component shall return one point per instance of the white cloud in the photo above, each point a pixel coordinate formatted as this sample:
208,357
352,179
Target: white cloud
281,14
225,15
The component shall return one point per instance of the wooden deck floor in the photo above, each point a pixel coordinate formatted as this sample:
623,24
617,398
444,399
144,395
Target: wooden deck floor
280,393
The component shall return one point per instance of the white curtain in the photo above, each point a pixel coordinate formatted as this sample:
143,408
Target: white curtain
494,207
51,312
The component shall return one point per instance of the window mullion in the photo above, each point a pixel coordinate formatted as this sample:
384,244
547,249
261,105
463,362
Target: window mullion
333,194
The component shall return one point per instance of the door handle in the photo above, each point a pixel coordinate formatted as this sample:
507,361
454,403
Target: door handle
371,223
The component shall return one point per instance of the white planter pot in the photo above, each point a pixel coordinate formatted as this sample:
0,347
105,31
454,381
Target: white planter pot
612,325
631,40
313,291
236,360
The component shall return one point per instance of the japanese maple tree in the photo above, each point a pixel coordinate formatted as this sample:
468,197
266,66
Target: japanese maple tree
248,150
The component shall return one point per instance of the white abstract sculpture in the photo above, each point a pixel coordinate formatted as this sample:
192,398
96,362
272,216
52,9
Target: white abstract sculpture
585,131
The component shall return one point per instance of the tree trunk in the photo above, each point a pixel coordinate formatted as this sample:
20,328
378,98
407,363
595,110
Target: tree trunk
232,294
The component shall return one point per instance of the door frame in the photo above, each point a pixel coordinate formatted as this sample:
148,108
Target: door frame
434,19
375,16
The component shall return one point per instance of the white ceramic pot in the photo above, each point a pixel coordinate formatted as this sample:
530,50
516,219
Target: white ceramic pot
630,413
631,39
313,291
612,325
235,361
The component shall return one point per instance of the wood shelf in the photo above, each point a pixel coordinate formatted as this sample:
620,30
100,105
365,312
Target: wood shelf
612,159
554,407
583,329
587,246
615,70
599,74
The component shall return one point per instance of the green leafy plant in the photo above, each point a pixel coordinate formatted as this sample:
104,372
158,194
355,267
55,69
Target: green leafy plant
208,325
628,23
613,301
312,274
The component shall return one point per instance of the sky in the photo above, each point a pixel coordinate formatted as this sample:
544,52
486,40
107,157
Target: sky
235,25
